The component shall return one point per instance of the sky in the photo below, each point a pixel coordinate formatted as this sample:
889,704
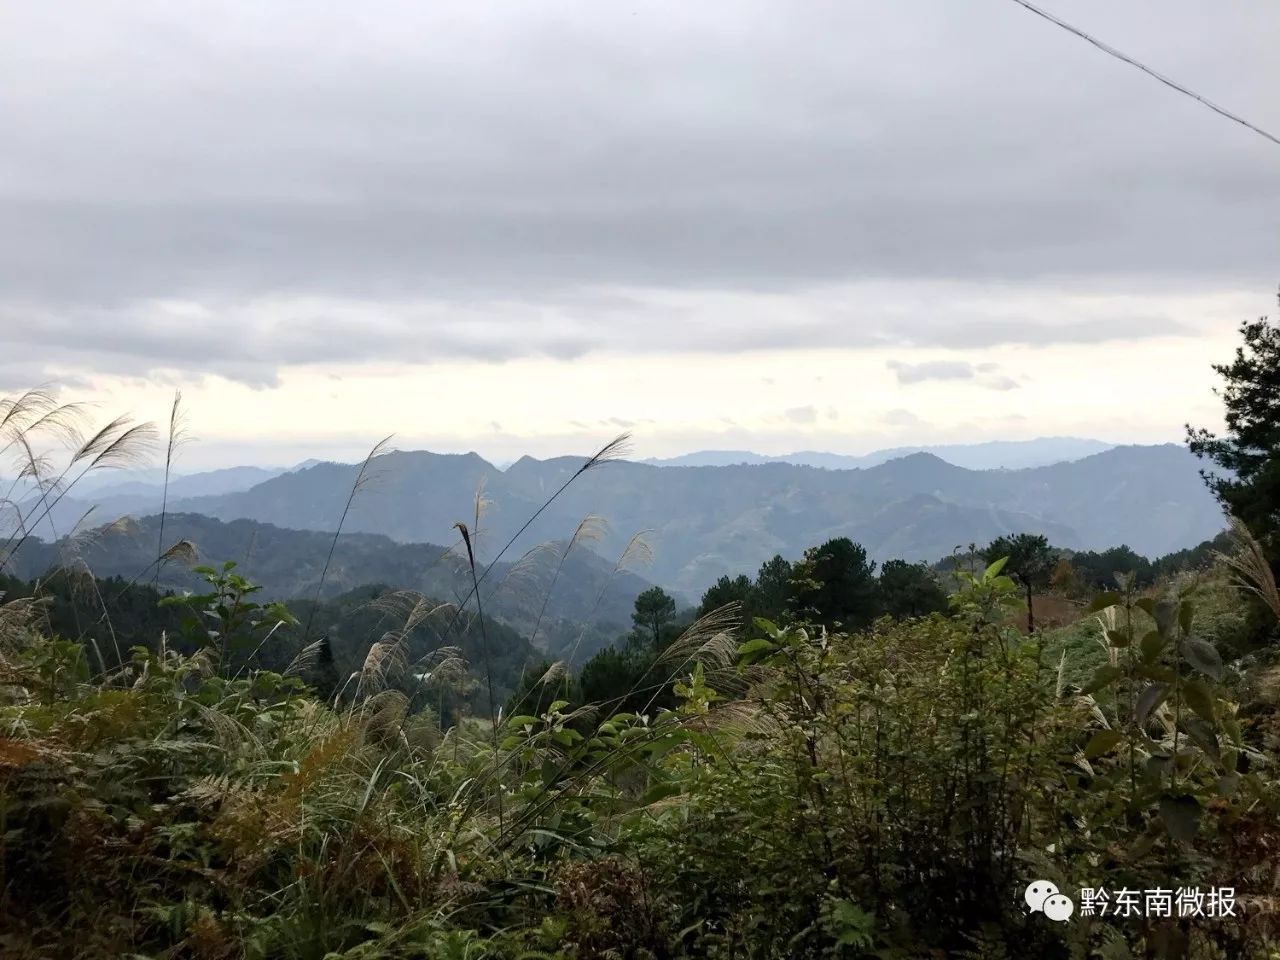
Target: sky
521,228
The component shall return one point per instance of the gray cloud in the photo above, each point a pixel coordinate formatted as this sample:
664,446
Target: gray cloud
806,414
983,374
528,181
932,370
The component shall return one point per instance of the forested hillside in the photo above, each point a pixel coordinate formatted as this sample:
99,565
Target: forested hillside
557,590
705,522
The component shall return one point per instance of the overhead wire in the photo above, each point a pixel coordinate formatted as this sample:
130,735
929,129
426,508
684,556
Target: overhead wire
1168,82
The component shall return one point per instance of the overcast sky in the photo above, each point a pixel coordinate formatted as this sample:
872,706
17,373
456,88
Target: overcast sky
520,227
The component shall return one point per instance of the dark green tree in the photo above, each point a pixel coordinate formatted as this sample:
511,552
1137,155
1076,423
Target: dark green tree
835,584
724,591
774,592
1030,563
1098,570
1248,483
655,610
615,679
909,590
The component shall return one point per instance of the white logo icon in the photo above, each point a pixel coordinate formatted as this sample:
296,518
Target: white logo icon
1043,897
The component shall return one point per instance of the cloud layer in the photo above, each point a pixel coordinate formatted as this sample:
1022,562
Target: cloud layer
235,188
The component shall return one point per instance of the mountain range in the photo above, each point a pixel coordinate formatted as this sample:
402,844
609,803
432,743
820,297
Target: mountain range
703,522
587,595
992,455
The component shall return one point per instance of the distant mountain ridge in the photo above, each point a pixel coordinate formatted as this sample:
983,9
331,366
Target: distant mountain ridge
288,564
706,521
991,455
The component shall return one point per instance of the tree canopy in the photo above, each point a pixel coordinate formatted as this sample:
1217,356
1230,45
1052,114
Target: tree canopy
1030,562
1248,483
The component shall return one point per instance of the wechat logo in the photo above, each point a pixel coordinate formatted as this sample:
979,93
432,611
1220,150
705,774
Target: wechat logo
1043,897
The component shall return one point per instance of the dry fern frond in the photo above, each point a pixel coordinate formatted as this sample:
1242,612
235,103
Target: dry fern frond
317,762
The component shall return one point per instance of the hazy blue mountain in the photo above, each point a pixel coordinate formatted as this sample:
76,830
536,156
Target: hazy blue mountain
992,455
703,522
150,483
288,563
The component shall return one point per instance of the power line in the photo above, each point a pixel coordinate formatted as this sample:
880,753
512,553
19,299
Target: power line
1112,51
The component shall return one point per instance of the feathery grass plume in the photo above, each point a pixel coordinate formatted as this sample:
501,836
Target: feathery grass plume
613,451
17,617
733,716
528,575
1250,567
411,608
637,553
177,436
305,658
590,529
38,412
484,633
184,551
363,476
24,422
482,505
229,734
384,662
382,711
554,674
710,640
119,444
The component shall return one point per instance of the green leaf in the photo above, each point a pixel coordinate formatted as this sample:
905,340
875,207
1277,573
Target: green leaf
523,720
1148,700
756,649
1200,699
1186,613
1147,605
1181,816
1166,615
1102,601
659,791
1203,734
1102,743
994,568
1118,638
1103,676
1204,657
1152,645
